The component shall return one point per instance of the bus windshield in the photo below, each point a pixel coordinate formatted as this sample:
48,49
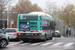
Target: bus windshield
28,17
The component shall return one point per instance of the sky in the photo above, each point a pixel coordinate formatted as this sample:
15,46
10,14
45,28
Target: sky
59,3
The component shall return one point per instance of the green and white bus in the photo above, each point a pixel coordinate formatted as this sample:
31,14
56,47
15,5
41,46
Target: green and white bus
35,25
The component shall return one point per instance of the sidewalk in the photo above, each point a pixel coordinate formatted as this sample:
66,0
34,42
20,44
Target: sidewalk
70,36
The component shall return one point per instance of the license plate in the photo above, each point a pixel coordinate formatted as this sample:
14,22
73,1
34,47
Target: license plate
9,34
27,34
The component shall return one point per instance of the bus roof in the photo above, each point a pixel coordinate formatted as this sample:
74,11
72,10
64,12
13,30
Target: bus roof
39,14
42,14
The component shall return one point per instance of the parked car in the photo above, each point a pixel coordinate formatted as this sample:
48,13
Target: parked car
11,32
57,33
4,40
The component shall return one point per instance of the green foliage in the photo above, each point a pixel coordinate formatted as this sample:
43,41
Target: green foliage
23,7
68,15
3,3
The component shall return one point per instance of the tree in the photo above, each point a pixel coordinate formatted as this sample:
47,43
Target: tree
68,15
51,8
35,7
3,3
23,7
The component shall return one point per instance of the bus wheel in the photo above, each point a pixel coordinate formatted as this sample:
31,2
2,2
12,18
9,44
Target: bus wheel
44,38
50,38
25,40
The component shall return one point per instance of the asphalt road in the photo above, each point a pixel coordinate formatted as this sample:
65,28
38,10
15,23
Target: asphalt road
63,43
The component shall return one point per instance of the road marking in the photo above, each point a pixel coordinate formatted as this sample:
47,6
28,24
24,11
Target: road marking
53,44
57,44
68,44
35,44
46,43
13,43
24,44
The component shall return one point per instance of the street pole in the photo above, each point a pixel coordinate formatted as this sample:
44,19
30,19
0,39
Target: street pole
12,21
1,9
8,18
11,25
74,29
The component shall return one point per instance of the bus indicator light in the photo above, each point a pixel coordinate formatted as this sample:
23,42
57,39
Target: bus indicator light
19,33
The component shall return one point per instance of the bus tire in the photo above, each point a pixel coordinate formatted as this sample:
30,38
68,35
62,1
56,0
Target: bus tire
50,38
44,38
25,40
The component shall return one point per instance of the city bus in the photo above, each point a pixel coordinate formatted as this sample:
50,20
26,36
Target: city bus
35,26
